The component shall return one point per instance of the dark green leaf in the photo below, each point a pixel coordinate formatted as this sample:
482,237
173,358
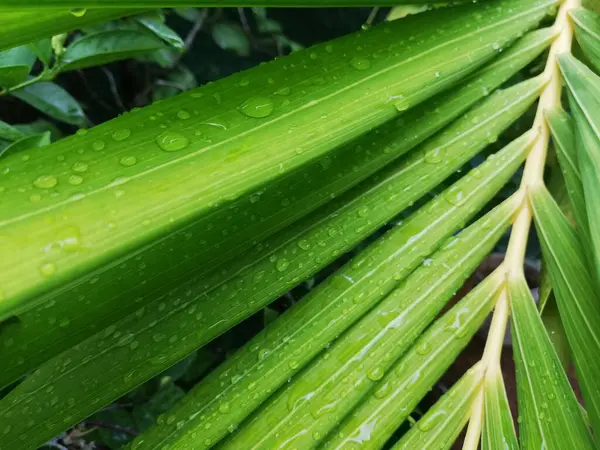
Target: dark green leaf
156,24
230,36
15,65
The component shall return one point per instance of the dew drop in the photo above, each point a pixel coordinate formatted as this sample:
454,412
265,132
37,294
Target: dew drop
78,12
45,182
75,180
257,107
128,161
171,141
98,145
224,408
47,269
183,114
282,264
122,134
360,63
80,167
375,374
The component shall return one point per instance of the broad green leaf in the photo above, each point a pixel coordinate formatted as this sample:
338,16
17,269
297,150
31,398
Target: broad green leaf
9,132
230,36
150,328
563,133
23,27
576,295
587,30
263,364
316,400
15,65
108,46
156,24
442,423
584,90
43,50
248,144
55,101
549,413
36,140
498,426
85,309
401,389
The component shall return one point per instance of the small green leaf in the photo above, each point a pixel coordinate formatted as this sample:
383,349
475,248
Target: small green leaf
155,23
575,292
43,50
556,331
180,80
9,132
549,413
230,36
443,422
15,65
53,100
36,140
498,426
587,30
108,46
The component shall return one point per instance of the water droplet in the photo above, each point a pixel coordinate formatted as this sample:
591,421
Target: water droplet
45,182
122,134
303,244
183,114
360,63
257,107
128,161
423,348
34,198
78,12
282,264
171,141
283,91
75,180
455,196
98,145
434,156
224,408
47,269
363,212
80,166
375,374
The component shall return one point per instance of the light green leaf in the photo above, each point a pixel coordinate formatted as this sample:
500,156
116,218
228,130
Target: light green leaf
316,400
15,65
230,36
190,168
190,303
587,30
108,46
498,426
156,24
378,416
84,309
550,416
576,295
53,100
562,128
441,425
584,90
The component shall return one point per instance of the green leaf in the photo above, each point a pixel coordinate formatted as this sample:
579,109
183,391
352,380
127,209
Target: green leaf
587,30
358,216
230,36
23,27
576,295
191,170
85,309
36,140
401,389
156,24
9,132
147,413
442,423
43,50
316,400
53,100
108,46
556,331
584,89
498,426
15,65
549,412
563,133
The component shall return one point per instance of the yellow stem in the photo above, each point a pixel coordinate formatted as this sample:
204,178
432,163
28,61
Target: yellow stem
533,175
